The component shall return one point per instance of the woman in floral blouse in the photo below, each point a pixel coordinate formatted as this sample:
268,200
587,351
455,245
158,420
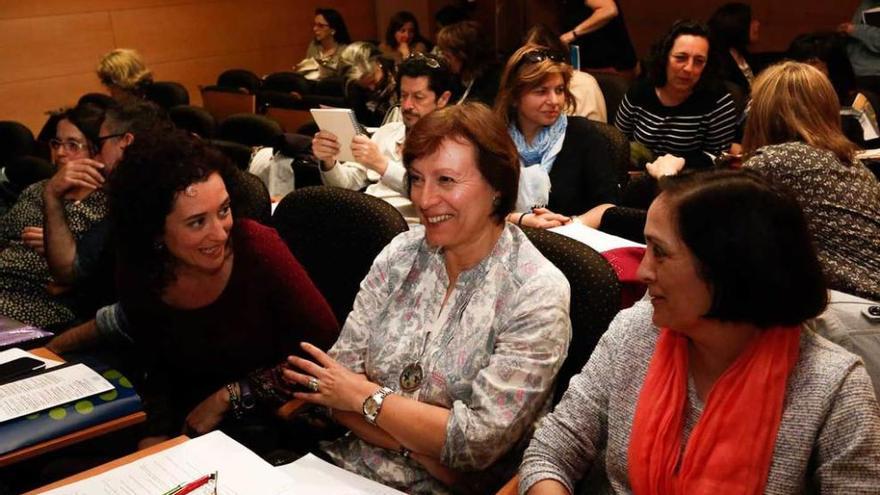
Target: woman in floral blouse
451,351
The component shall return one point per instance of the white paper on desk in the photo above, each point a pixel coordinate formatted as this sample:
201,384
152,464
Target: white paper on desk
239,471
596,239
15,353
50,389
868,154
315,476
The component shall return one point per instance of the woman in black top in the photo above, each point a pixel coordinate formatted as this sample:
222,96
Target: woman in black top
564,169
472,60
598,28
733,29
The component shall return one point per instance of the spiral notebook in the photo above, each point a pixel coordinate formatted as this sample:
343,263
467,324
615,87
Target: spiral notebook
343,123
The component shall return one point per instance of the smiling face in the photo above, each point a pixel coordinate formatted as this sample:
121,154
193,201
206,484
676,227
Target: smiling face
405,34
197,229
69,144
541,106
686,62
455,202
679,295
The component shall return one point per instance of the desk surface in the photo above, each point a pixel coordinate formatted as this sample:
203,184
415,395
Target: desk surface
112,464
70,438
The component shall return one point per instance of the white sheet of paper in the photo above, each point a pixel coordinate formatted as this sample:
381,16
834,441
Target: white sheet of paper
50,389
239,471
596,239
315,476
868,154
15,353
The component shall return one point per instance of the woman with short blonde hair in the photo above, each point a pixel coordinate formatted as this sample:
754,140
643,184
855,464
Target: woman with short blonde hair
793,136
124,73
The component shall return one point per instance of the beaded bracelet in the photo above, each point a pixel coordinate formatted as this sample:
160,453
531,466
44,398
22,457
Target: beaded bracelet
233,401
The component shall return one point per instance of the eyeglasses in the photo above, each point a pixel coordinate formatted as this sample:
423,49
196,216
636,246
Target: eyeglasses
100,139
430,61
535,56
321,25
69,146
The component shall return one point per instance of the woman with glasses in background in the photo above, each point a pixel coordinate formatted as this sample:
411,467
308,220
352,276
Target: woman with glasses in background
322,56
564,168
27,291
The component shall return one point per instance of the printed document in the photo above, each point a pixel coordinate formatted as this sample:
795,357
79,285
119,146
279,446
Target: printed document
52,388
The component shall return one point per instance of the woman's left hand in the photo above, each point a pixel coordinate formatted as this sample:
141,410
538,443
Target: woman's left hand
338,387
208,414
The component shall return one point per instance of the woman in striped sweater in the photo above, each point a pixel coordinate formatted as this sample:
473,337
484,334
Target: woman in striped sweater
676,112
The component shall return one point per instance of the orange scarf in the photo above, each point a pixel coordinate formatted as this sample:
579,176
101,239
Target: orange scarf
730,448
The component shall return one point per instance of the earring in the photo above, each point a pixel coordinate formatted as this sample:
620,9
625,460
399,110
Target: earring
496,202
158,246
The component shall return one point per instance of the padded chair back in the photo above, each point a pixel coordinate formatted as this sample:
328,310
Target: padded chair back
23,171
287,82
16,140
240,78
290,112
595,296
336,234
249,129
167,94
101,100
616,149
223,102
237,152
613,88
250,198
196,120
330,86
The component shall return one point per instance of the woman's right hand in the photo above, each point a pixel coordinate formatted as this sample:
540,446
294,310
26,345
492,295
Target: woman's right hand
665,165
325,146
541,218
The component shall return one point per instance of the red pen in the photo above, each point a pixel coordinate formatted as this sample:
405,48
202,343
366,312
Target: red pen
197,483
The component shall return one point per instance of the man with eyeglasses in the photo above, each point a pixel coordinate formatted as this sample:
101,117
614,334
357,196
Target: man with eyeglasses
425,86
69,260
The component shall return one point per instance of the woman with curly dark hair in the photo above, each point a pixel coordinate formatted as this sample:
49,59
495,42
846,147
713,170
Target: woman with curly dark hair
213,305
679,112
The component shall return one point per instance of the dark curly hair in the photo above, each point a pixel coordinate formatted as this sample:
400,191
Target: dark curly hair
659,58
142,189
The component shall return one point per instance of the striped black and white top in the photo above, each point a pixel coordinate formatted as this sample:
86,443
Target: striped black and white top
704,123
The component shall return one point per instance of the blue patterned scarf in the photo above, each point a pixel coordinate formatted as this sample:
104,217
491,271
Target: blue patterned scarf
537,151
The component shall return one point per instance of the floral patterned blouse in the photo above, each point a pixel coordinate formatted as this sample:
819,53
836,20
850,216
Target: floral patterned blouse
490,355
841,203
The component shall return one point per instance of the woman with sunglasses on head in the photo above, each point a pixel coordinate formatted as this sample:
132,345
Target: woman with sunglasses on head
714,385
564,170
680,113
27,291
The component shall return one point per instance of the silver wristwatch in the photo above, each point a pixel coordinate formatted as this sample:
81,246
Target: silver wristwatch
373,404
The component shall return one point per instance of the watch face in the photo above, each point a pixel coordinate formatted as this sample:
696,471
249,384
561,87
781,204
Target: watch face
371,408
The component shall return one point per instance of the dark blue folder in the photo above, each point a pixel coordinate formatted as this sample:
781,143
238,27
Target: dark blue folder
74,416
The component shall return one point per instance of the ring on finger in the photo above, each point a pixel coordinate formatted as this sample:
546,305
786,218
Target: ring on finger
313,384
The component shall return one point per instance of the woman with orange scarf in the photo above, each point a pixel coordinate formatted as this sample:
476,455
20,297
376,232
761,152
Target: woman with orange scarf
713,386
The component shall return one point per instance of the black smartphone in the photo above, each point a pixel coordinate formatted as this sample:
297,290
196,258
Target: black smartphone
18,367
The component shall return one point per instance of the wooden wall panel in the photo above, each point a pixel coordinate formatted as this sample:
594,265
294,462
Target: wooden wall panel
31,48
49,49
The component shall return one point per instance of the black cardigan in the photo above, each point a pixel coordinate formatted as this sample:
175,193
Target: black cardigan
583,175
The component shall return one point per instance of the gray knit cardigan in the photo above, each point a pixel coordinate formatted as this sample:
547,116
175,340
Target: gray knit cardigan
828,440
